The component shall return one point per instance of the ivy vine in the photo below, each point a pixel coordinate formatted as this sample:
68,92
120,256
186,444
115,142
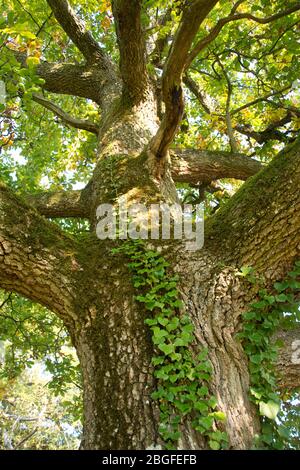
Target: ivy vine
273,309
182,375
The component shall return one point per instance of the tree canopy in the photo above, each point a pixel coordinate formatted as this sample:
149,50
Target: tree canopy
240,79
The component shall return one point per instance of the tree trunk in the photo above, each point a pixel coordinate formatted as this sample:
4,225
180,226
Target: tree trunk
115,350
92,289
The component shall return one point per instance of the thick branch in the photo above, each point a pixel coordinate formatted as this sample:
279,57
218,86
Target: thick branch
36,257
76,31
260,226
65,117
188,166
192,18
288,362
131,43
203,43
63,204
69,79
194,166
75,80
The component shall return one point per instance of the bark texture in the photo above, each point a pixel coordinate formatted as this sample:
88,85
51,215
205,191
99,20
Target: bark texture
37,260
91,290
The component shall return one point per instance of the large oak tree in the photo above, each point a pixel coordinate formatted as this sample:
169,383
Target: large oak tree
164,95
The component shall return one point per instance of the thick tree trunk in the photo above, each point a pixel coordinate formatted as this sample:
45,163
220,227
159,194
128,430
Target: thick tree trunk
115,351
113,343
92,291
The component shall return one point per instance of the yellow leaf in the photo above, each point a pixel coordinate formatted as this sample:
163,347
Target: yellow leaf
32,61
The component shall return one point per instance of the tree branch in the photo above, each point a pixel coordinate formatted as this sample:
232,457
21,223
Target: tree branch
162,41
188,166
62,204
230,131
25,439
203,43
132,48
193,87
194,166
76,31
192,17
260,99
88,126
69,79
291,109
270,133
260,226
36,258
75,80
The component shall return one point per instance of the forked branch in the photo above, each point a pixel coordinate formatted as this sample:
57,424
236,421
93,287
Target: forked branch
192,17
75,29
132,49
66,118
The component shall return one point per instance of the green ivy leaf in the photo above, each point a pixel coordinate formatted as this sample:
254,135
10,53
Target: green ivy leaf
167,349
219,415
214,445
269,409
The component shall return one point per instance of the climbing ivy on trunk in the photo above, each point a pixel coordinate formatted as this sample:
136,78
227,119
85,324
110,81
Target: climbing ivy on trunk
182,371
273,309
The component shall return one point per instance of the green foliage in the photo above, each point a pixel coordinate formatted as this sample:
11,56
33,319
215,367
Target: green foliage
31,418
30,335
278,308
182,373
257,58
38,152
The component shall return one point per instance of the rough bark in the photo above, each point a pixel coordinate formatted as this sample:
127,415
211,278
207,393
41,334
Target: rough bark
114,349
91,290
81,80
260,226
61,203
186,166
76,31
214,299
288,362
37,259
192,17
119,413
194,166
132,48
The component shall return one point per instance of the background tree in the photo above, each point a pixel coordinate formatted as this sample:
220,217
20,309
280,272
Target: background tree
148,96
40,386
33,419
